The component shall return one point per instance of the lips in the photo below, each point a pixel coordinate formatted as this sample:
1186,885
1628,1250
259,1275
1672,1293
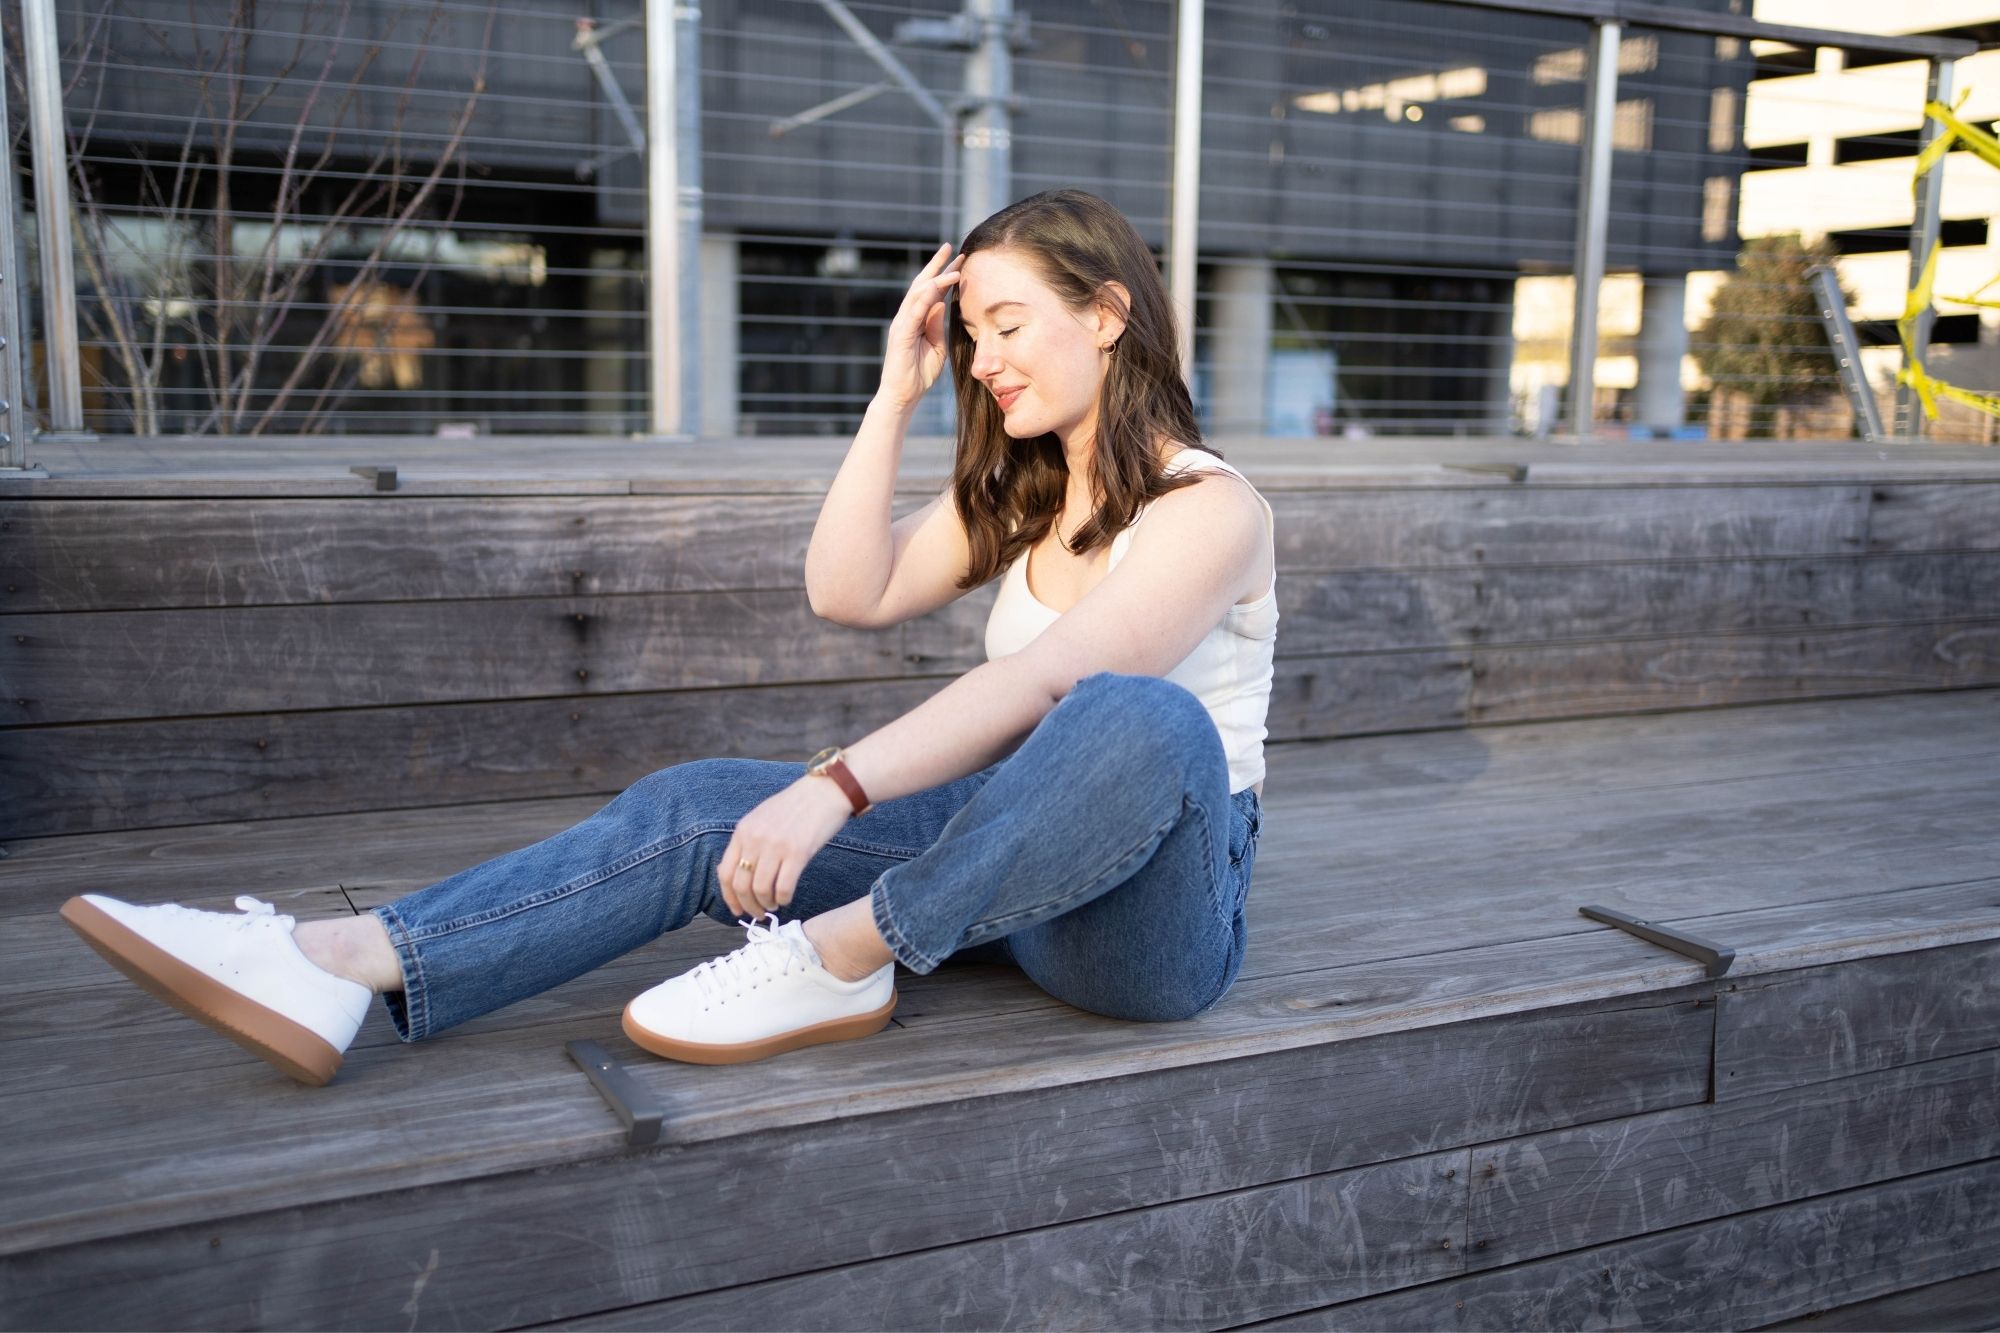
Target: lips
1006,397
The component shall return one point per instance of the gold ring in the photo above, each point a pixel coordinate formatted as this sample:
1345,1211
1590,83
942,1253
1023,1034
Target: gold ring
746,865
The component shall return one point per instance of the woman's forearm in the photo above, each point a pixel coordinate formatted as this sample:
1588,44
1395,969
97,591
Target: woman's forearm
851,553
978,719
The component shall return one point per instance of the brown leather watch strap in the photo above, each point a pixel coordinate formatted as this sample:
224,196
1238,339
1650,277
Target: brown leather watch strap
830,763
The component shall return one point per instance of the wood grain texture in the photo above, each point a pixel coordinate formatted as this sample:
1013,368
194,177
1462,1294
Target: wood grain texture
1324,799
214,554
1199,1264
622,1229
119,665
1569,1189
91,777
1736,1272
1934,516
470,1104
115,665
1969,1304
1806,1026
60,780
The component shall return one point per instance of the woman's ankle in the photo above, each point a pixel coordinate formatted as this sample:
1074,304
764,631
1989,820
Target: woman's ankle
356,948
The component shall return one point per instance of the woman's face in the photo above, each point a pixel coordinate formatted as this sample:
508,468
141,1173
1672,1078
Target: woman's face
1040,359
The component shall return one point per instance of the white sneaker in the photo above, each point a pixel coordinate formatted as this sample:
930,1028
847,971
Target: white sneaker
769,996
242,975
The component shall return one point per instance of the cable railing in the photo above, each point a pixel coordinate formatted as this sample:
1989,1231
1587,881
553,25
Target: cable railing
1414,217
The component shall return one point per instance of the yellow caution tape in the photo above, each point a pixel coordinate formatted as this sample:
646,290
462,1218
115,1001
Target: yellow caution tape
1928,387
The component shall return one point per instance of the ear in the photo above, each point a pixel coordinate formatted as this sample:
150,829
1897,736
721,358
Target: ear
1113,301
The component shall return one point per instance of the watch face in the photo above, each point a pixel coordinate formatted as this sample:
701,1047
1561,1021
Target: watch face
823,756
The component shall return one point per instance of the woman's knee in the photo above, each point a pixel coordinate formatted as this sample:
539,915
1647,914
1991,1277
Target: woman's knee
1122,697
723,788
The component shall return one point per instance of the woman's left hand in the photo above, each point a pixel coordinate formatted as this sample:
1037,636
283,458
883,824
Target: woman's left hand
778,837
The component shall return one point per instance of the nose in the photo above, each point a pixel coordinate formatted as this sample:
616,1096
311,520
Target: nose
985,362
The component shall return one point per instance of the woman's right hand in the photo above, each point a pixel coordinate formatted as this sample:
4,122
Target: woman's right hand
916,351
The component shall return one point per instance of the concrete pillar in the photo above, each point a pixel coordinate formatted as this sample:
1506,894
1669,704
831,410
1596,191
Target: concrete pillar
719,324
1239,340
1663,341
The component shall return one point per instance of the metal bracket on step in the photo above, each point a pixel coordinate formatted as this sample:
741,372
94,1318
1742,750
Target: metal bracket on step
383,477
1717,957
634,1105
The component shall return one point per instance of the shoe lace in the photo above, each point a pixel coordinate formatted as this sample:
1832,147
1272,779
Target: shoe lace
768,954
254,910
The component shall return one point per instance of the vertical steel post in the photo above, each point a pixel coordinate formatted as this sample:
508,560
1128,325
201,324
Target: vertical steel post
13,406
1593,215
687,297
49,135
663,259
1923,239
1185,202
986,137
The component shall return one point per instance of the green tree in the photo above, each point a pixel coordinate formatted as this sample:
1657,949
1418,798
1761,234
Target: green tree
1764,342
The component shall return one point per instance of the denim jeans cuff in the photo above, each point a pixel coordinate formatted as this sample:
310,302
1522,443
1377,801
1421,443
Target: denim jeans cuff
409,1009
899,944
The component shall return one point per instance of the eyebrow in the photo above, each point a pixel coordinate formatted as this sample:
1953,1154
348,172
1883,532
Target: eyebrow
998,304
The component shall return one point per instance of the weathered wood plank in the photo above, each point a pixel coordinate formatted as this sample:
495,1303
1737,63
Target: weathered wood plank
72,779
919,1062
922,1063
1568,1189
1321,796
1965,1304
1534,525
1526,683
1807,1026
195,771
119,665
65,668
219,553
1313,789
971,1166
1198,1264
1736,1272
267,552
1934,516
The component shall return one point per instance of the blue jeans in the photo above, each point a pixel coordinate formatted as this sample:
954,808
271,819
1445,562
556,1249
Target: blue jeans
1105,857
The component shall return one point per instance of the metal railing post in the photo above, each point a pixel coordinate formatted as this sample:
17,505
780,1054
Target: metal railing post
1593,214
691,211
49,136
13,408
1184,225
664,297
986,136
1924,238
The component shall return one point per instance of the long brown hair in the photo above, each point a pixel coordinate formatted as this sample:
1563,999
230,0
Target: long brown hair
1009,492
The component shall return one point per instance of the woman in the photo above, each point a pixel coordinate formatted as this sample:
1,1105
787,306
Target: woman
1085,804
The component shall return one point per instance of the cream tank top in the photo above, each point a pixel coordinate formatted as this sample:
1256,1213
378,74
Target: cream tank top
1229,670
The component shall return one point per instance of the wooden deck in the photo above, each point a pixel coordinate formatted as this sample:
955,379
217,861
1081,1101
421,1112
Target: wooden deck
1437,1098
203,632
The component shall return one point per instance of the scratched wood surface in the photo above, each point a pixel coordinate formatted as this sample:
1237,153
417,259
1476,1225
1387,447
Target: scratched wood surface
306,652
1741,1271
1439,777
1567,1189
1970,1304
1359,1009
1806,1026
612,1228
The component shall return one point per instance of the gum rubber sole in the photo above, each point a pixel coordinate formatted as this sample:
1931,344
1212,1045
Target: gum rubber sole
717,1053
299,1051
